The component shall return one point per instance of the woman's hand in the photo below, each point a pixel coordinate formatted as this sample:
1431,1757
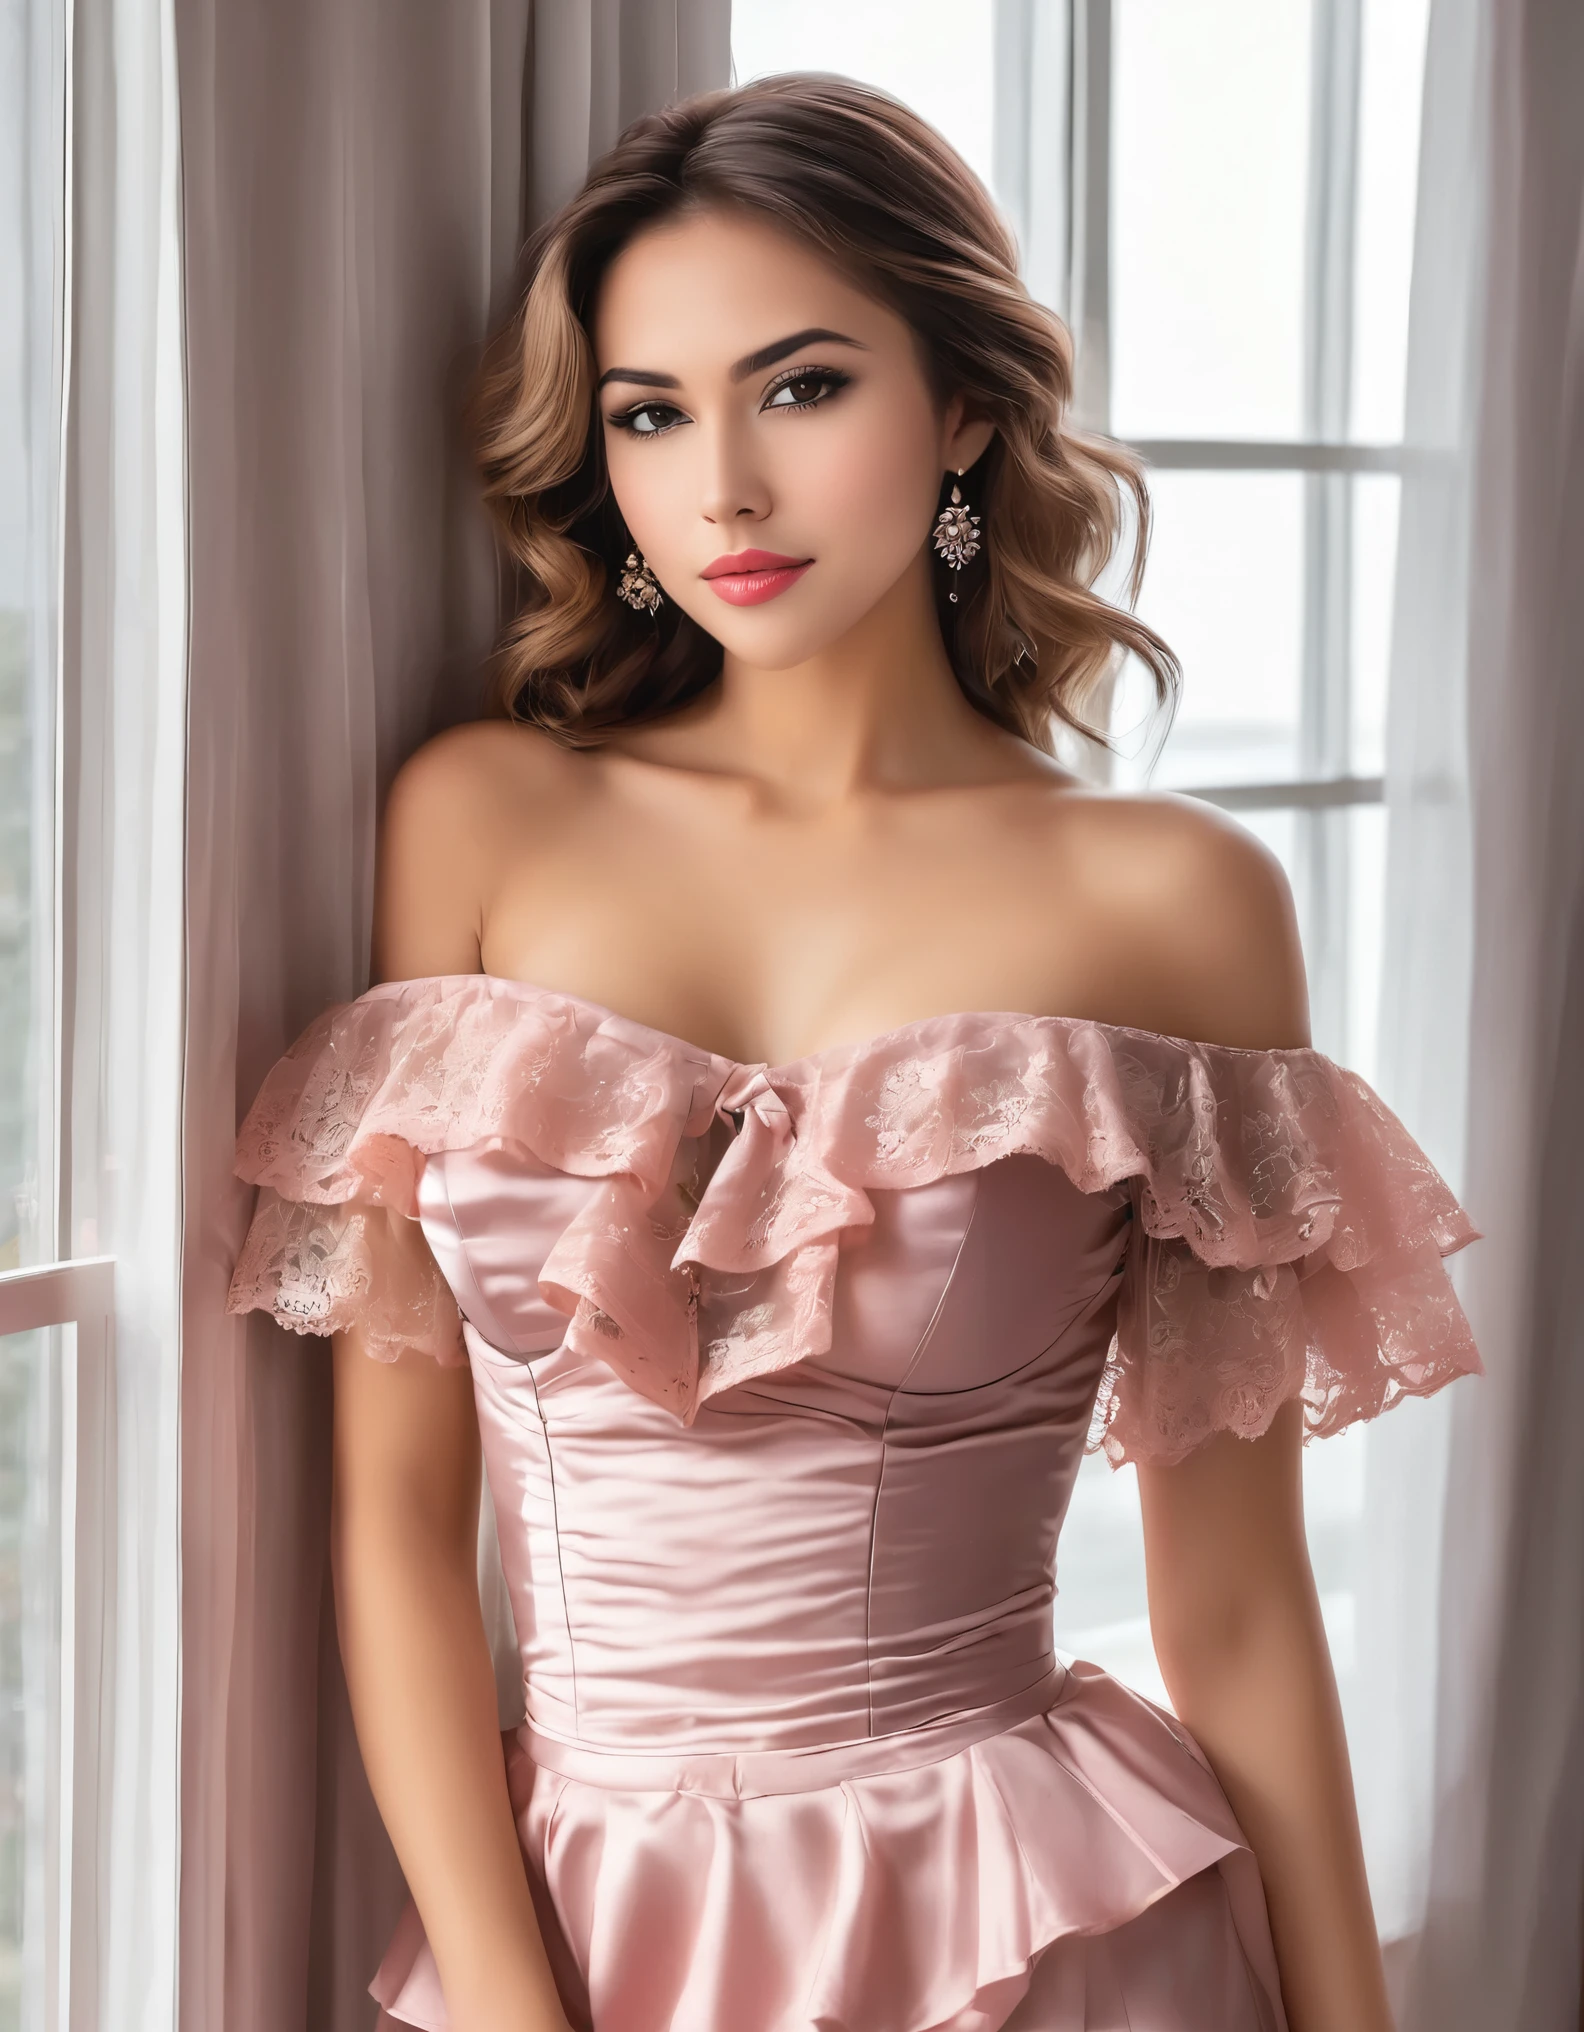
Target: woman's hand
404,1549
1237,1629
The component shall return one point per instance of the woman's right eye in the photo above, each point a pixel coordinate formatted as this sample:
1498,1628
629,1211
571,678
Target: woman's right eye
649,419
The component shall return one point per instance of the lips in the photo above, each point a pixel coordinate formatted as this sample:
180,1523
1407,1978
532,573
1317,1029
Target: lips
749,577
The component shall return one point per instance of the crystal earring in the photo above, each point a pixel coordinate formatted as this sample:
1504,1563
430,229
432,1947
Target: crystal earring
955,533
638,586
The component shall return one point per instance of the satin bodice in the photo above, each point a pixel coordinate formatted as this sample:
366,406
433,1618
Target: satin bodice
783,1376
860,1544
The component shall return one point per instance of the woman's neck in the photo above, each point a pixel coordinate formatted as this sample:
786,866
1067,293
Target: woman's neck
880,709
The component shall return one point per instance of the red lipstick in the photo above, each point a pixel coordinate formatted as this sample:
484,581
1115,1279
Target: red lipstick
751,576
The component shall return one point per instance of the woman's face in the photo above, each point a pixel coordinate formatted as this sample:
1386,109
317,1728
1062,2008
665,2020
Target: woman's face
773,442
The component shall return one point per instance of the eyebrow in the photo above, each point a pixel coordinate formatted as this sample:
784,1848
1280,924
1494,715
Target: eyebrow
752,363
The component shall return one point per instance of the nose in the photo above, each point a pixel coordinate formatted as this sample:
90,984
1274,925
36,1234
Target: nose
733,488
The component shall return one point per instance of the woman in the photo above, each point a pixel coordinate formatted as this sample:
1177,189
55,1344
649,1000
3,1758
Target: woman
793,1292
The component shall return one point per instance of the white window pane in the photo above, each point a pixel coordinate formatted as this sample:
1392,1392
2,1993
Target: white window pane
1224,586
30,180
1376,498
30,1631
935,55
1366,931
1101,1610
18,1156
1333,1477
1209,165
1389,98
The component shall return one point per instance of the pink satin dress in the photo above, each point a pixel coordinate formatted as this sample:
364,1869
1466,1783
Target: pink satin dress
783,1377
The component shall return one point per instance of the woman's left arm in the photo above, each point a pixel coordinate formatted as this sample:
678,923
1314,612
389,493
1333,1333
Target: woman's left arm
1236,1622
1203,914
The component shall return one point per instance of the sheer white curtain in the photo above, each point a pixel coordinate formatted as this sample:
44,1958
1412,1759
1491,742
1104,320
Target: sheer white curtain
121,734
1491,624
1425,976
356,179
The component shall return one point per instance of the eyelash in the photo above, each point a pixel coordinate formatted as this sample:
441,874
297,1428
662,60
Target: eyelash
831,382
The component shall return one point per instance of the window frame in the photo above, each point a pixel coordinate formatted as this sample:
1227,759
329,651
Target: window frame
68,1301
79,1294
1061,55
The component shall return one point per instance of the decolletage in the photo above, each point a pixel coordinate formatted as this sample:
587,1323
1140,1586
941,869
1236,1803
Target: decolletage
601,1016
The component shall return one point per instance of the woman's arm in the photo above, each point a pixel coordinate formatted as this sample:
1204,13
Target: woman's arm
1206,921
406,1497
1237,1630
404,1539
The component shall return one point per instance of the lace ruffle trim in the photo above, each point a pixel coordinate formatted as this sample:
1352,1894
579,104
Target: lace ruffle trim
326,1269
1290,1231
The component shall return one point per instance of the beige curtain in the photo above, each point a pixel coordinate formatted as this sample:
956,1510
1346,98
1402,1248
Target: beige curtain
356,180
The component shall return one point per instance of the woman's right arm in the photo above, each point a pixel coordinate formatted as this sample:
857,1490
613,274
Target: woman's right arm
404,1537
405,1525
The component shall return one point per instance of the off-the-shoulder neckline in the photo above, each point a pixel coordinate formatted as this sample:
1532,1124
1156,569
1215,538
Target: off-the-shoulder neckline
856,1048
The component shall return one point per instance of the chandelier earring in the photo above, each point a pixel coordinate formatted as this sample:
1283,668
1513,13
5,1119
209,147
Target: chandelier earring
956,533
638,586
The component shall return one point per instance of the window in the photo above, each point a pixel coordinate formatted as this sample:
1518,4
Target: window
54,1317
942,64
31,148
1219,198
1246,329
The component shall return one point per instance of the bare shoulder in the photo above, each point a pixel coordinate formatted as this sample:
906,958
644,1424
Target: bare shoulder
1193,918
447,820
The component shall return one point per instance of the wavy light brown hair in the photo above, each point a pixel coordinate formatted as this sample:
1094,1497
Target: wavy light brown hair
881,195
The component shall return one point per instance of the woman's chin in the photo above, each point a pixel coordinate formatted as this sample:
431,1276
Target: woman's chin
781,633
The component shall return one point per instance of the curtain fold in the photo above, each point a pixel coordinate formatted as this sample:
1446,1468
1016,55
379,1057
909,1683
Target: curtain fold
1488,812
356,179
120,767
598,64
1425,981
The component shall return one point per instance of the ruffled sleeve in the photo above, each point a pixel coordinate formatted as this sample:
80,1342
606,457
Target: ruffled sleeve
344,1123
335,1243
1288,1239
324,1269
1288,1242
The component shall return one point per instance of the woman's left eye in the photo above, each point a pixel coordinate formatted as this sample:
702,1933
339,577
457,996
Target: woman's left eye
805,389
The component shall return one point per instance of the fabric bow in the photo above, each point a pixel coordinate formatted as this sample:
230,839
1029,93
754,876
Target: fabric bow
685,1293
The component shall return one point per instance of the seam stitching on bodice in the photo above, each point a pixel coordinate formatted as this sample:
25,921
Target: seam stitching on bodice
885,1428
1084,1310
555,1525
